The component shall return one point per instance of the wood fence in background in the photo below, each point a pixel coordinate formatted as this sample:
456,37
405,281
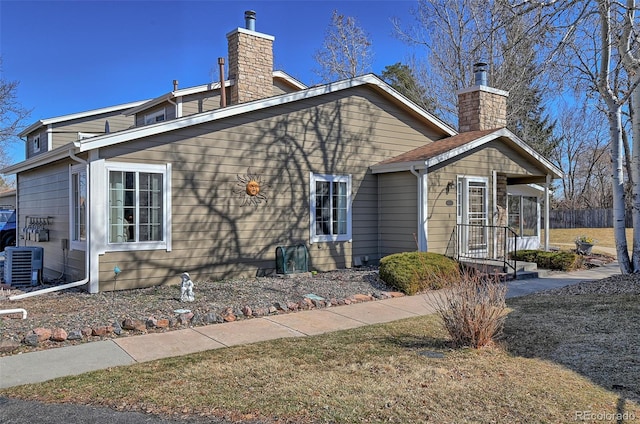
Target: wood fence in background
584,218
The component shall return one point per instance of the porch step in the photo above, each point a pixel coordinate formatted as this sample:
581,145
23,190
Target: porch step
526,275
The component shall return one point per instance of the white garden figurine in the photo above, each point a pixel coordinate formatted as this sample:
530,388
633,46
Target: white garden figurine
186,291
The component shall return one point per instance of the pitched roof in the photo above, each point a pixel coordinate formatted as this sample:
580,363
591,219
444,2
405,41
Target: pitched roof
78,115
448,148
368,80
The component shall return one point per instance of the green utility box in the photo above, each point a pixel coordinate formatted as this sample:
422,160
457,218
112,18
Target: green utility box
292,259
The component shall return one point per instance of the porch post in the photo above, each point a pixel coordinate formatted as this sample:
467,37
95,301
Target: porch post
423,208
546,213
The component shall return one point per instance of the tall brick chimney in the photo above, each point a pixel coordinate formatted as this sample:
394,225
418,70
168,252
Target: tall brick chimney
481,107
250,62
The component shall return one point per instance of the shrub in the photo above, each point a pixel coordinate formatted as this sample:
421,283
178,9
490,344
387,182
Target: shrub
413,272
473,310
561,260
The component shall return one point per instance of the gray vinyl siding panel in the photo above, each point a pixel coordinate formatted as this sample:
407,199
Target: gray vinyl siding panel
67,132
201,102
214,235
45,193
398,209
42,133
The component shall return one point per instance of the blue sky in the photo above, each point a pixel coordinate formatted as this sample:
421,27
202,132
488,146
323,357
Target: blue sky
70,56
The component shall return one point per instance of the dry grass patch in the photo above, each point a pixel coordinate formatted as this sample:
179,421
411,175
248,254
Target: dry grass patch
566,236
597,336
387,373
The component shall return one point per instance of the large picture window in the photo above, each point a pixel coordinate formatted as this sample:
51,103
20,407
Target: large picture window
330,207
137,205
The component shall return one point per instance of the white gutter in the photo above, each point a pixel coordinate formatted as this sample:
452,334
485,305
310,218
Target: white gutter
15,311
82,282
423,197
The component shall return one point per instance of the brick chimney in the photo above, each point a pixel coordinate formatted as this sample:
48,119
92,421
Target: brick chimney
481,107
250,62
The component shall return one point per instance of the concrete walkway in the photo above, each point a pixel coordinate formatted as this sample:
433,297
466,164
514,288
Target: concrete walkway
52,363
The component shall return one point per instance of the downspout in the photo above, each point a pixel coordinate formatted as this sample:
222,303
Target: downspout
546,213
85,280
175,106
422,207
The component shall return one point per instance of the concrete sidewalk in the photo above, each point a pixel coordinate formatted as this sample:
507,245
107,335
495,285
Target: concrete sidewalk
52,363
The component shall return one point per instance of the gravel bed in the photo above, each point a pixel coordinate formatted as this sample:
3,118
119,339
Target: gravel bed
75,309
617,284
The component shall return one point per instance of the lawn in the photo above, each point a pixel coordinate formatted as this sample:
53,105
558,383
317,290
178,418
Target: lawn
566,236
561,356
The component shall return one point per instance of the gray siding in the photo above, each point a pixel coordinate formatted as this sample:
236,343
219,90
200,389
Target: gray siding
398,212
214,235
45,193
67,132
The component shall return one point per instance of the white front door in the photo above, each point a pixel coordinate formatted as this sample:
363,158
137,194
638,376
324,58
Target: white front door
473,207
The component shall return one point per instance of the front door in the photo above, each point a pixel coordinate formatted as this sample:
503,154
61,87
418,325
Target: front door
473,207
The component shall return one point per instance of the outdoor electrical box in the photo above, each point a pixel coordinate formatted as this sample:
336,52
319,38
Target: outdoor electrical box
292,259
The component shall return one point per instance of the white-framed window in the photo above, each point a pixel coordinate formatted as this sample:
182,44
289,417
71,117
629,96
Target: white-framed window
36,143
138,203
154,117
79,207
523,215
330,204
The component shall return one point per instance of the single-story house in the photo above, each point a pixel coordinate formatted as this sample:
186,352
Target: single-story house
214,179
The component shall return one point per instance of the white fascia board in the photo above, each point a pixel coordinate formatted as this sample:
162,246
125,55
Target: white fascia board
39,160
503,132
291,80
78,115
150,130
182,92
398,167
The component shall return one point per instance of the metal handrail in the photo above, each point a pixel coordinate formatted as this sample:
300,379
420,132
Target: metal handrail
485,249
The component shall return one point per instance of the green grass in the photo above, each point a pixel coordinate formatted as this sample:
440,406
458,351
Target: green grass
557,358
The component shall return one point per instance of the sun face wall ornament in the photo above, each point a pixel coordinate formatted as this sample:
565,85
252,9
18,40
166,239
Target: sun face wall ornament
250,189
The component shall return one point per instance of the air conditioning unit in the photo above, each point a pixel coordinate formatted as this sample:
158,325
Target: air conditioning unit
292,259
23,265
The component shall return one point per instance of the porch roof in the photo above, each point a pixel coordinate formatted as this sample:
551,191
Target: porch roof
448,148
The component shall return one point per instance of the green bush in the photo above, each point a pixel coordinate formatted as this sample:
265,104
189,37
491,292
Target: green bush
560,260
413,272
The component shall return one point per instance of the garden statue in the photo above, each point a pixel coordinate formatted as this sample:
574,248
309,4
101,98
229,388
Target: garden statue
186,290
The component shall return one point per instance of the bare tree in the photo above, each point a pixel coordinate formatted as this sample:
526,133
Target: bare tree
596,44
12,116
346,52
458,34
583,156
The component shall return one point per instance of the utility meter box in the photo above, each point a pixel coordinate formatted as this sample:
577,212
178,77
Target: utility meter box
292,259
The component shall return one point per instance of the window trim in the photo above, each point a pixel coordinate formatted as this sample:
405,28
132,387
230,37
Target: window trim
37,145
164,244
151,118
78,244
323,238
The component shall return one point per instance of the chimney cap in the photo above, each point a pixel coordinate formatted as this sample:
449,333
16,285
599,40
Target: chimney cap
480,73
250,20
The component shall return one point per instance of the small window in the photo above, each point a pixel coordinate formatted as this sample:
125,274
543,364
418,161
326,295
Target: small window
36,143
155,117
79,207
330,207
